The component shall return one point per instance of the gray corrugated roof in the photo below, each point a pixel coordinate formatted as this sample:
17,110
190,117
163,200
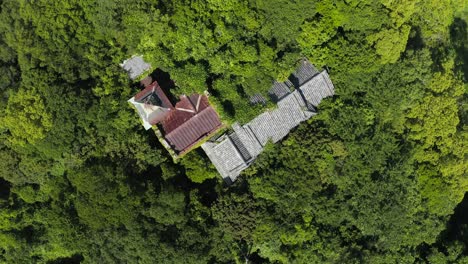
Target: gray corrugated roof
239,150
258,99
225,157
304,73
135,66
239,144
317,88
261,127
276,124
249,140
284,118
278,91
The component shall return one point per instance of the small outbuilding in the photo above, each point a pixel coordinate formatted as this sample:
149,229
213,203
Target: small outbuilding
135,66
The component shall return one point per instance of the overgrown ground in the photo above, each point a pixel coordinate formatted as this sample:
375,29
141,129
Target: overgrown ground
376,177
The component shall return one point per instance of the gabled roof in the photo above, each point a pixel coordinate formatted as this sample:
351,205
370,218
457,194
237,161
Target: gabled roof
175,119
226,158
185,105
191,130
249,139
279,90
154,95
317,88
191,119
258,99
304,73
152,105
185,109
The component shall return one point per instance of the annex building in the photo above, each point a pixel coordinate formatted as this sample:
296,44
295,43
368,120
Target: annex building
181,126
297,99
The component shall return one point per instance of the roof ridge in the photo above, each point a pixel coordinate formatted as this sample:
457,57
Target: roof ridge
184,123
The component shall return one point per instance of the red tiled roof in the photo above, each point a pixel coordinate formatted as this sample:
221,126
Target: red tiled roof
194,100
185,104
175,119
203,103
165,101
184,110
192,130
149,90
144,93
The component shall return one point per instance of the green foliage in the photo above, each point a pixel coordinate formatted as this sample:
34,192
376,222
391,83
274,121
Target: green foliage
168,208
198,168
373,178
95,205
389,44
26,117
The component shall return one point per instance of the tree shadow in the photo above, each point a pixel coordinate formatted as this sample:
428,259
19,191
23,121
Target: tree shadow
457,220
210,84
459,38
165,82
229,108
138,182
294,80
455,230
415,41
5,187
207,191
75,259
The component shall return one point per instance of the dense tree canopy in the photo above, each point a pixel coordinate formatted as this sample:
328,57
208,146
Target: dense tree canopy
378,176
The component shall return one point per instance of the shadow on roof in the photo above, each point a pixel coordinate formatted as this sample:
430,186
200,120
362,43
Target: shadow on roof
164,80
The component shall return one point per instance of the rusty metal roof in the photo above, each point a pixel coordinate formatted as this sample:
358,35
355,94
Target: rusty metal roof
175,119
154,95
191,119
189,131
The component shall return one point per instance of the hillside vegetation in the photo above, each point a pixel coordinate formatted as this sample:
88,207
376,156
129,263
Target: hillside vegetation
378,176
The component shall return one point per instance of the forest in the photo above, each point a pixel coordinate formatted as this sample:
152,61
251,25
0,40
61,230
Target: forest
379,176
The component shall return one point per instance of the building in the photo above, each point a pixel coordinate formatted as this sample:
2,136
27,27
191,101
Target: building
297,99
191,120
152,105
135,66
183,125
